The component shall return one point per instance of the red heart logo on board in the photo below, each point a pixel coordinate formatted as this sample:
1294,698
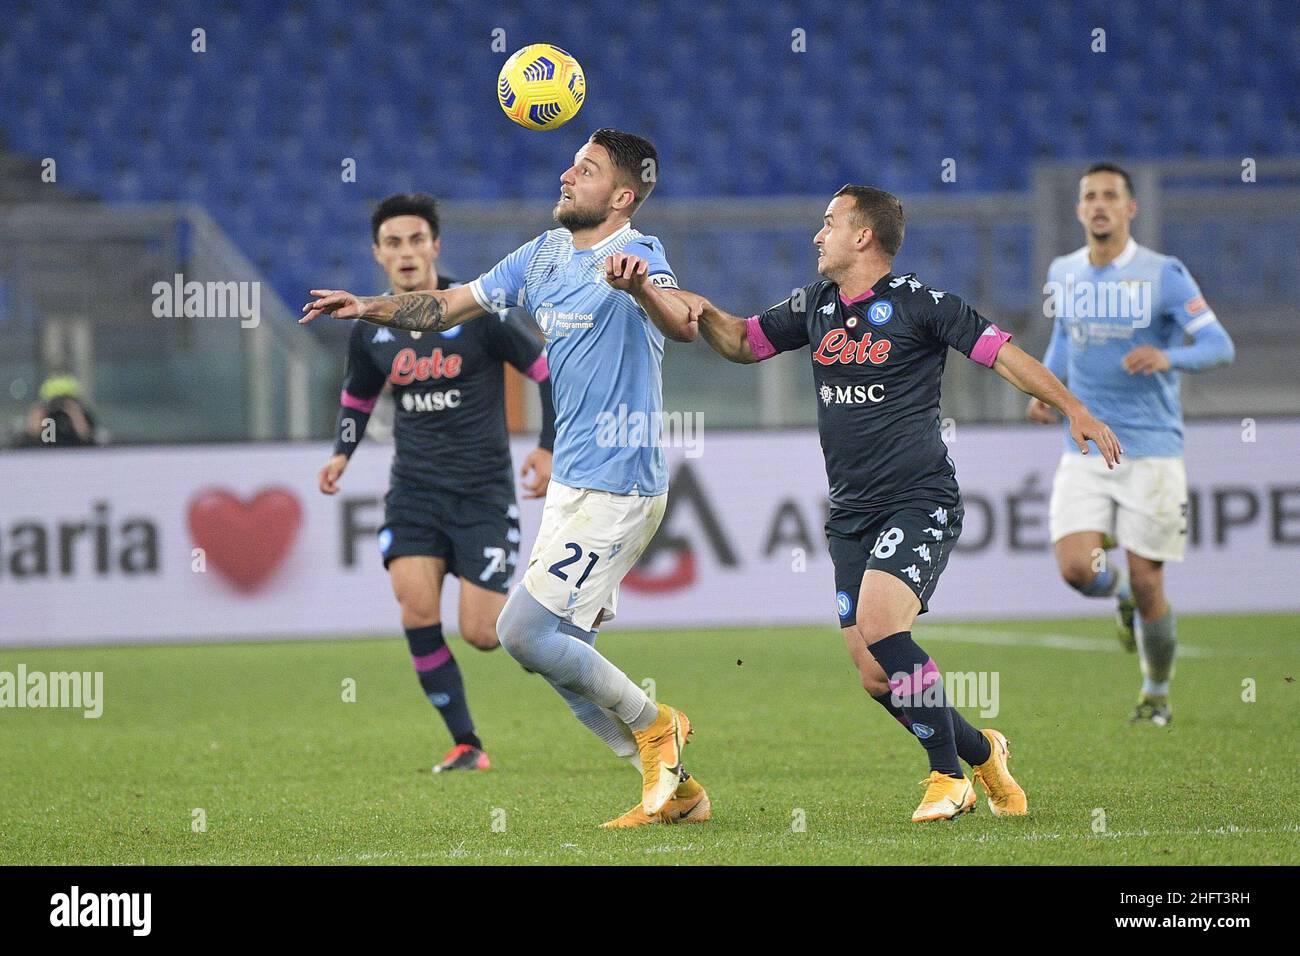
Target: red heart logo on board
245,540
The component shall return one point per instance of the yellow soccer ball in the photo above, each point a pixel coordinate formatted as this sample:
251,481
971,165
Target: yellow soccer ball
541,87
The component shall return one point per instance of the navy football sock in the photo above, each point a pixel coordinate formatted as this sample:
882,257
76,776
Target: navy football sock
440,679
917,688
972,746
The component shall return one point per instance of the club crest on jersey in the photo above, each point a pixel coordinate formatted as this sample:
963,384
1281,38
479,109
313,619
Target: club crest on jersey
837,348
843,603
452,332
880,313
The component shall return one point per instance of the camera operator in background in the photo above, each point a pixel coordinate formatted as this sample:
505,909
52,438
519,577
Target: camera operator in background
59,419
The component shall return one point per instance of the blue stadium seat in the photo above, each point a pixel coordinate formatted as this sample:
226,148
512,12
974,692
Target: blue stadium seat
260,122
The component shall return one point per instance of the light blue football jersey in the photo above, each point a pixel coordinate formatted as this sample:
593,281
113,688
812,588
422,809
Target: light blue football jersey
1102,314
604,354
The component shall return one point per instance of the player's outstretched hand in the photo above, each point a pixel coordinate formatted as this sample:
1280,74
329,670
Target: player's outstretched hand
334,302
537,461
1040,412
695,303
1083,427
626,273
329,476
1146,359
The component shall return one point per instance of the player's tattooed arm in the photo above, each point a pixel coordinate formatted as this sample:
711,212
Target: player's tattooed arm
725,333
1033,378
411,311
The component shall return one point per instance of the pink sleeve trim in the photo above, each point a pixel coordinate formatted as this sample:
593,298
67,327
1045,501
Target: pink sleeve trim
988,344
539,371
759,344
366,405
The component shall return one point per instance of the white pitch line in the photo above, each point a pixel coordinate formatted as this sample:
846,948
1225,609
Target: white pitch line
1060,642
1032,837
951,839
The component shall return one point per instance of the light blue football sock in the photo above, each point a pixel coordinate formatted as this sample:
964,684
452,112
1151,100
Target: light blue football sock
532,635
1157,644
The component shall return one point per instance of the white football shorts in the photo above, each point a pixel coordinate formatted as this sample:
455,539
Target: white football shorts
1141,505
588,541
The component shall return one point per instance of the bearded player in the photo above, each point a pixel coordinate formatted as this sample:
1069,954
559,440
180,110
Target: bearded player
1121,313
605,298
450,507
878,342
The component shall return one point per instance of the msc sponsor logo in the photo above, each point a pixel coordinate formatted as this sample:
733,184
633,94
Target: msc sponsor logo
408,368
851,394
431,401
837,348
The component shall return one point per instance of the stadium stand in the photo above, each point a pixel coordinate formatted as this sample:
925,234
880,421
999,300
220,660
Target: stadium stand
262,151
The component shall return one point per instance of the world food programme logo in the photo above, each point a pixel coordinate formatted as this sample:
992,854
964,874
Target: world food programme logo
843,603
557,324
880,313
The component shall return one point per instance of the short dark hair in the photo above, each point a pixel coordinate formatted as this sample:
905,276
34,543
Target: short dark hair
1112,168
405,204
881,211
635,157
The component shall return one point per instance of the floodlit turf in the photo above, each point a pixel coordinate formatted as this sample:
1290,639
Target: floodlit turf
258,738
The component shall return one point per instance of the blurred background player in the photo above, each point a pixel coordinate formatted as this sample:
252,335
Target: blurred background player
1122,356
450,507
605,298
878,343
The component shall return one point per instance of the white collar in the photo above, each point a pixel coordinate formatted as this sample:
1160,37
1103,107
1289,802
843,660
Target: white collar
1125,257
608,240
1119,262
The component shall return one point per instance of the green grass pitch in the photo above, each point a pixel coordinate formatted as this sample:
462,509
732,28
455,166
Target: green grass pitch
259,738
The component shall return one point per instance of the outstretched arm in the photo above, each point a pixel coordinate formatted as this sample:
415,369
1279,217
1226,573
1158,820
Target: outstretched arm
665,308
412,311
1033,378
725,333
